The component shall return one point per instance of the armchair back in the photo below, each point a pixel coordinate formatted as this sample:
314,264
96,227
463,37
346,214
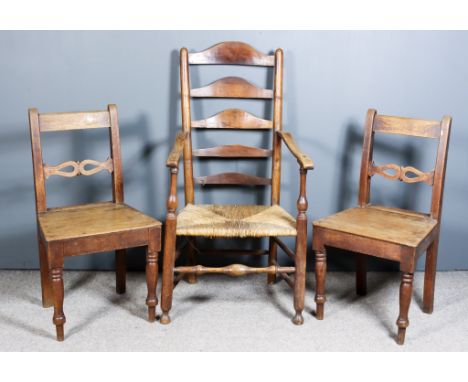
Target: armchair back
232,53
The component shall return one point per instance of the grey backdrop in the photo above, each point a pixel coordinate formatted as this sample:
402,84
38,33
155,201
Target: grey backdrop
331,79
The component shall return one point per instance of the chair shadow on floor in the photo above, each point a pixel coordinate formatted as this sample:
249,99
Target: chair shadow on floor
77,283
17,323
374,286
135,305
285,308
129,301
122,301
70,288
344,292
184,308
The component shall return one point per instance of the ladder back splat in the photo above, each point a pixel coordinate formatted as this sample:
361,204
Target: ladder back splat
233,119
231,87
234,179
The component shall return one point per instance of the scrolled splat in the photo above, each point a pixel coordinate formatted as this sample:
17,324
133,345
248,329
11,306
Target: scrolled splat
419,176
98,166
407,174
79,168
394,174
59,169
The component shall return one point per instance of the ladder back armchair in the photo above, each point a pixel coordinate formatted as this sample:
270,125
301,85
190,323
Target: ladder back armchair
233,221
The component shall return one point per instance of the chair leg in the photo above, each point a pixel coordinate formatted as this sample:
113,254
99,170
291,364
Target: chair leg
46,285
168,270
151,282
57,287
300,274
272,259
120,271
430,276
190,251
55,259
406,291
361,274
320,273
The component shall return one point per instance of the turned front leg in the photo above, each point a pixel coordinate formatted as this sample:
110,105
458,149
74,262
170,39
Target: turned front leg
151,282
169,250
300,277
55,260
406,292
56,275
301,250
320,273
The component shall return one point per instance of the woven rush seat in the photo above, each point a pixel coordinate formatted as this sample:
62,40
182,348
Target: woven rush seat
213,220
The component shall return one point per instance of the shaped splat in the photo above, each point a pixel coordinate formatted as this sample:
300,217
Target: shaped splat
401,173
78,168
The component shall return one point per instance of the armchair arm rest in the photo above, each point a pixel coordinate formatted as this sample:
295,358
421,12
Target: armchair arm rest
176,152
304,161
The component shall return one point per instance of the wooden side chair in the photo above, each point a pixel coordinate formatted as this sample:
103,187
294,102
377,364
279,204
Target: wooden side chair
233,221
89,228
389,233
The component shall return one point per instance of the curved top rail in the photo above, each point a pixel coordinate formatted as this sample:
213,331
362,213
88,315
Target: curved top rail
231,53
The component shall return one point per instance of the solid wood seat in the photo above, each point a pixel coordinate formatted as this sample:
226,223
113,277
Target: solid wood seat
385,232
392,225
88,220
235,221
89,228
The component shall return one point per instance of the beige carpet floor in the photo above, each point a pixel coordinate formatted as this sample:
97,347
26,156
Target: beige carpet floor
231,314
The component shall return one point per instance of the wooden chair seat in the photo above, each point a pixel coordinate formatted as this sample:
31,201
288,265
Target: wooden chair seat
213,220
388,224
67,223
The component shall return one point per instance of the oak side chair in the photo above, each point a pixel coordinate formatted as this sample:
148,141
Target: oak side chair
233,221
389,233
89,228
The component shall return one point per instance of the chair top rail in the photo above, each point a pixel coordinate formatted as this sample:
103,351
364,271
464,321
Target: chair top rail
407,126
74,121
231,53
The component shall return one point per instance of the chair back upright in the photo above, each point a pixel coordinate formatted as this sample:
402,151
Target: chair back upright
232,53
